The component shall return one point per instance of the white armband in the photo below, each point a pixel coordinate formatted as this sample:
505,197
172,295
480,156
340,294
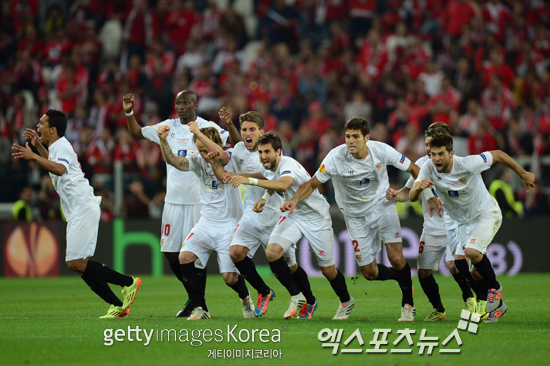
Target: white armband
266,196
253,181
129,114
427,193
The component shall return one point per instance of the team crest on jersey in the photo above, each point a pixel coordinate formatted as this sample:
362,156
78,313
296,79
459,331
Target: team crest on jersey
358,257
463,180
322,168
379,166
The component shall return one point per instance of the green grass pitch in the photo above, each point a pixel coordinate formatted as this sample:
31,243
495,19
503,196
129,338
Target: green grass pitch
54,321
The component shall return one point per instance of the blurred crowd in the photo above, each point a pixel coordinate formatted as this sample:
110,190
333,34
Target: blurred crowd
307,66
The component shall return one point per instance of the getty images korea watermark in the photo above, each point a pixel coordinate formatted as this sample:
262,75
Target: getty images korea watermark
232,336
331,338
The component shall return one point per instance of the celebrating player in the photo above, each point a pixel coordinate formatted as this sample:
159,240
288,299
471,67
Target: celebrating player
438,237
221,210
311,219
360,178
182,204
458,183
81,209
254,228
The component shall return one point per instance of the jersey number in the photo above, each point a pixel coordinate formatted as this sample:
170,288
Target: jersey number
421,247
355,244
165,229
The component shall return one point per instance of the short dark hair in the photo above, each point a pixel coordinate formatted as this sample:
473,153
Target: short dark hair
58,120
252,116
440,139
437,126
358,123
271,139
212,134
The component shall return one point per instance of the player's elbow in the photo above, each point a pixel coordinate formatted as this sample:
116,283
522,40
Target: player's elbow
413,196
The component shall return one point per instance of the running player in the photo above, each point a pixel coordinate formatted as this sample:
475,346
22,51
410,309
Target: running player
459,185
81,209
435,241
182,204
360,179
221,211
311,219
254,228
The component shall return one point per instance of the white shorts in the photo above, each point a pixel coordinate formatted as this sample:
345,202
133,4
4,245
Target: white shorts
82,234
367,234
480,233
453,244
250,234
205,238
318,231
430,251
177,222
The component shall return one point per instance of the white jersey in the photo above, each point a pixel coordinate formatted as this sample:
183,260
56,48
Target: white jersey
182,187
434,225
74,190
361,184
315,204
248,162
462,190
221,203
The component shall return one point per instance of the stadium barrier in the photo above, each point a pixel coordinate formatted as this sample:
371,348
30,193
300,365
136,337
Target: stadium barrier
133,247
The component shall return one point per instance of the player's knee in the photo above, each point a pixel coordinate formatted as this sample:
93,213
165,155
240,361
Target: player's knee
397,261
476,275
474,254
370,274
237,253
329,272
230,278
186,257
452,267
76,266
274,252
423,273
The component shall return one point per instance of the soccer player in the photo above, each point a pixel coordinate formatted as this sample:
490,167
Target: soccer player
182,203
434,241
81,209
458,182
221,210
310,219
358,171
253,229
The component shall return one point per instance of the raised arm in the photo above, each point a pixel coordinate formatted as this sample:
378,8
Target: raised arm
32,135
234,135
527,178
133,126
25,152
302,193
213,158
179,162
209,144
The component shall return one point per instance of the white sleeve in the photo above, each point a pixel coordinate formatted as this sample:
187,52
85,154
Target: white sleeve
150,133
327,169
289,169
396,159
478,163
64,155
